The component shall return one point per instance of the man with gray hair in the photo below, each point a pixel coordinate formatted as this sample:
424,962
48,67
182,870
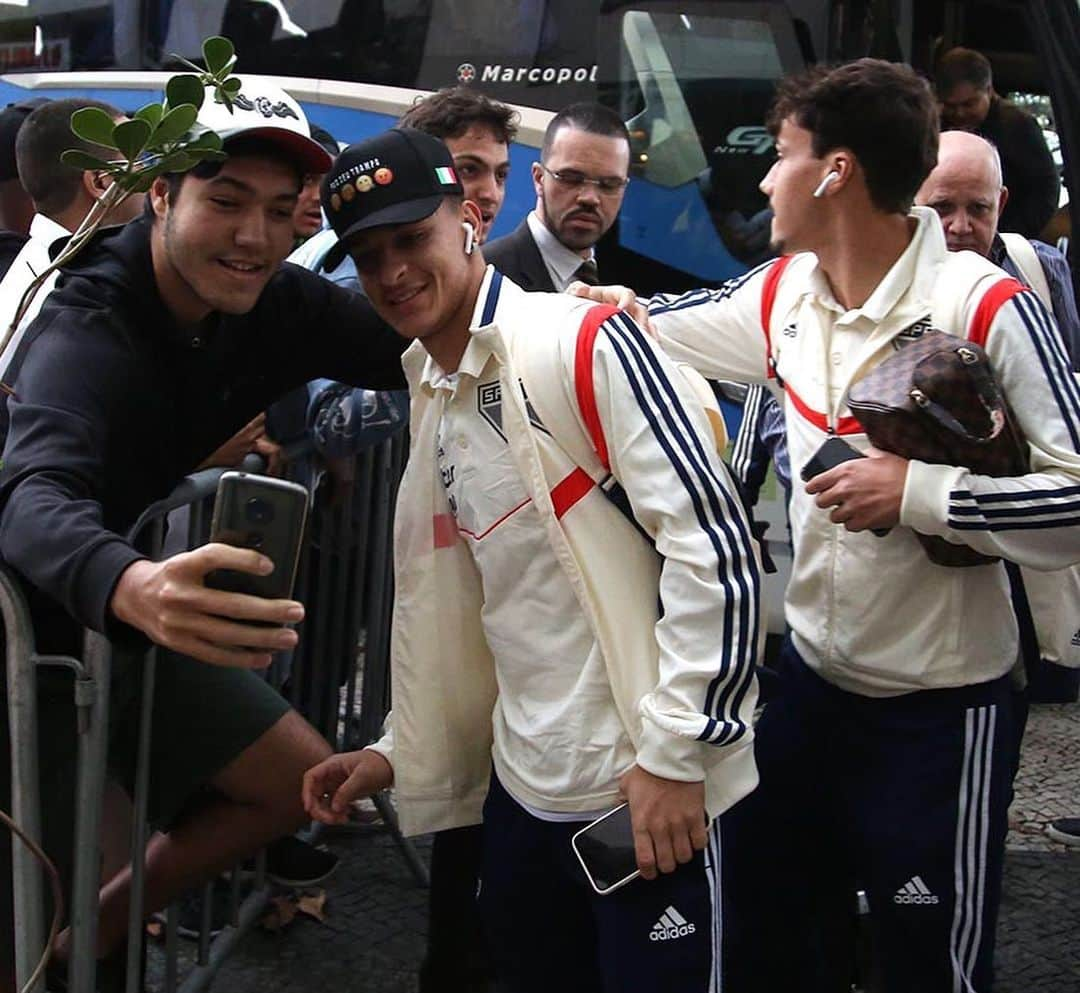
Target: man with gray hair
967,191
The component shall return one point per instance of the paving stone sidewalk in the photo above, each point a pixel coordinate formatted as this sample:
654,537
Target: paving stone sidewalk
373,938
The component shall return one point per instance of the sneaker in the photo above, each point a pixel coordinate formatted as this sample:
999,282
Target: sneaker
294,863
190,911
1066,830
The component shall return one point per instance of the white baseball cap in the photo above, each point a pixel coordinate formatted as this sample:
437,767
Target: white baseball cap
263,110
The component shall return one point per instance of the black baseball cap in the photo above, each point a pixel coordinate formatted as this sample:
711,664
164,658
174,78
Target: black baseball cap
397,177
11,119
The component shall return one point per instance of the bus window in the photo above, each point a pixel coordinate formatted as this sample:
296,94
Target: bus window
58,35
694,81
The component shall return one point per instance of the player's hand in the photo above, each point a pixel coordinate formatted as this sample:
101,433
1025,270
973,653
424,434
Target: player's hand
864,493
169,602
615,296
335,782
668,819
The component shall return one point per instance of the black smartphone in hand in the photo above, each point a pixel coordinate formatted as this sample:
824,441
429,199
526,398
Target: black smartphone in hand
834,452
264,513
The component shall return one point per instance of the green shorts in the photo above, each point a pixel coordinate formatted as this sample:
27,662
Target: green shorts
204,716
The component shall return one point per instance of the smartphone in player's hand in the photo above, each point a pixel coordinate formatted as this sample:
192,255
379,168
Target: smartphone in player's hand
605,849
835,451
832,453
266,514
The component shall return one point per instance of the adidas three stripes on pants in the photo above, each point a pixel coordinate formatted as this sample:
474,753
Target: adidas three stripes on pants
904,798
549,931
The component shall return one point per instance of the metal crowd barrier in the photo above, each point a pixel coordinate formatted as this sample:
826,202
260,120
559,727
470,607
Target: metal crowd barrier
345,581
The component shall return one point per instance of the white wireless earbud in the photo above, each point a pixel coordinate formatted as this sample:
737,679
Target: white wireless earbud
824,184
470,237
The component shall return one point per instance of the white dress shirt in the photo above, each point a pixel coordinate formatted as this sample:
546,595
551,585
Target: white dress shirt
32,259
561,262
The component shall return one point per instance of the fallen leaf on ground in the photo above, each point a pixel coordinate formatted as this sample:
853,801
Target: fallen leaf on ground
313,904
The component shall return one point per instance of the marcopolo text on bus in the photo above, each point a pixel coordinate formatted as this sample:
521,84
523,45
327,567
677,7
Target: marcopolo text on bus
535,74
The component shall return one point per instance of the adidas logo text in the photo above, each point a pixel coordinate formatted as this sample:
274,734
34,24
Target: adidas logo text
671,925
914,891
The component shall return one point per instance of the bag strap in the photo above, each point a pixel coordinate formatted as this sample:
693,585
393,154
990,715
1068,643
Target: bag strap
989,397
584,386
1026,259
993,300
768,300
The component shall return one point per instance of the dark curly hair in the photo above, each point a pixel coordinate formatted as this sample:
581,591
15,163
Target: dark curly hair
451,111
882,111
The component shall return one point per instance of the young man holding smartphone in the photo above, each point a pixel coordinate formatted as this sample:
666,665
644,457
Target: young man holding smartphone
164,338
887,754
527,632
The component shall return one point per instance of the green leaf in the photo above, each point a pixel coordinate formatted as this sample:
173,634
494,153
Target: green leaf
210,154
232,85
217,53
93,124
178,161
78,159
151,113
175,123
131,137
209,140
182,89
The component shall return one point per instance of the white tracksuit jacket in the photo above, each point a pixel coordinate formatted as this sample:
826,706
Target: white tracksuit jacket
683,683
873,615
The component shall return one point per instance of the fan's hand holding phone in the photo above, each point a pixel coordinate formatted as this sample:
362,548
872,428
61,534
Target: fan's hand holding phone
265,514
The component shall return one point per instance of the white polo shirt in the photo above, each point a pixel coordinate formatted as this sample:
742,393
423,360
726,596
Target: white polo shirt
557,735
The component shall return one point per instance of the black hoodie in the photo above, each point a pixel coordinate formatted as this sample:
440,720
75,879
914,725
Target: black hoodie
115,404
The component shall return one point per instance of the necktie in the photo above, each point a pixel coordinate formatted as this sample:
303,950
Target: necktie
587,273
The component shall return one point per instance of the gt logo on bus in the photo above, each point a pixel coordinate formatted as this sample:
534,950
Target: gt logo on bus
747,139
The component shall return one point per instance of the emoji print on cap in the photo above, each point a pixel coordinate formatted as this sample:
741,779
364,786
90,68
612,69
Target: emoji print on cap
364,183
383,176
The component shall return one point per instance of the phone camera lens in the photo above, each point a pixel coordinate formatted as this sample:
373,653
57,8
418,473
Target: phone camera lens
259,511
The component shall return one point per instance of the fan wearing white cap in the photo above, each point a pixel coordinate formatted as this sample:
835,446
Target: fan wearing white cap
204,261
163,339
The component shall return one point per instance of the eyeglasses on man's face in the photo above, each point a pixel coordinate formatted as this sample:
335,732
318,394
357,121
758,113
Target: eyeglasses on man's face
574,180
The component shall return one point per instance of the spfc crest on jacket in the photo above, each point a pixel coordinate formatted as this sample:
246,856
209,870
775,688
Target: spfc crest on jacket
489,403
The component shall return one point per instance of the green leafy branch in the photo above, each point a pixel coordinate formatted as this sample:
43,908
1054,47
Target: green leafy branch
158,139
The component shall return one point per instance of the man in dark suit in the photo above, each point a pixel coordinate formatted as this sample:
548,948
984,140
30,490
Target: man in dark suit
579,180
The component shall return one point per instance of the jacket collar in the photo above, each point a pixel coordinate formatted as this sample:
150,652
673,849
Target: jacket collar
423,372
905,292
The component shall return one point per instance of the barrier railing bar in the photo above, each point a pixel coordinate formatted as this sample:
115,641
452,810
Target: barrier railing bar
25,811
200,976
92,700
172,949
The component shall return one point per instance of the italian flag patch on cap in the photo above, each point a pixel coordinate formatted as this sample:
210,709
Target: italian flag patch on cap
445,175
